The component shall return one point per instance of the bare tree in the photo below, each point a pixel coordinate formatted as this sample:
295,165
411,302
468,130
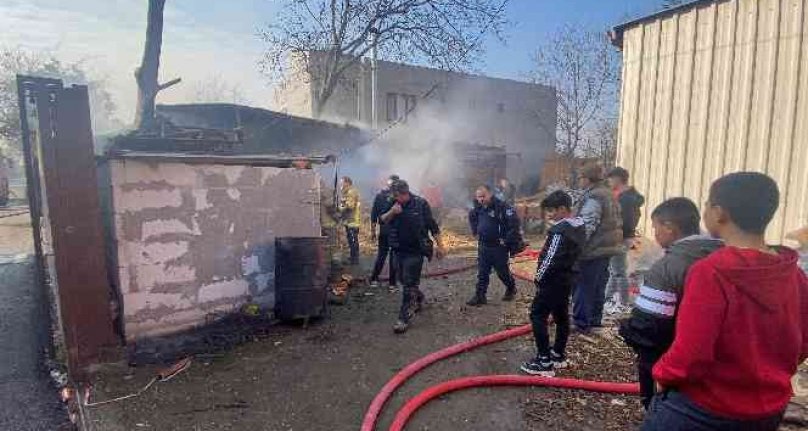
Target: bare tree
323,39
583,68
19,61
147,74
216,90
601,143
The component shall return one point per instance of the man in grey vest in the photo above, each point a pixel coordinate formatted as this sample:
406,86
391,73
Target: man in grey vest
604,239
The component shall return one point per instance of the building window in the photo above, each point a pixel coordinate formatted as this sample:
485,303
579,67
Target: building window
500,108
410,102
392,107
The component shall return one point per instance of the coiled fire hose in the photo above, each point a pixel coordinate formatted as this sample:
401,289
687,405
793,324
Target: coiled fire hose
406,412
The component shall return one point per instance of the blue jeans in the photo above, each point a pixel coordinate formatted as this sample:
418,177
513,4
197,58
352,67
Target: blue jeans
618,279
673,411
590,293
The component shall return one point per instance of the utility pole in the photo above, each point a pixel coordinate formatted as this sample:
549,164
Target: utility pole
374,78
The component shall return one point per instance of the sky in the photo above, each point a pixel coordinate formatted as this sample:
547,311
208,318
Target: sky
217,39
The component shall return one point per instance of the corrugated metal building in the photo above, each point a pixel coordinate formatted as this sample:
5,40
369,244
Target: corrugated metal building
713,87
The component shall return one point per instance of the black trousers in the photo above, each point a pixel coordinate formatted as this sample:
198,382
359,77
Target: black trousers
381,255
353,242
552,300
409,271
646,358
493,257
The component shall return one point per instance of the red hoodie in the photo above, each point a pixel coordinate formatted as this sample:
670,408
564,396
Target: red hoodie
741,332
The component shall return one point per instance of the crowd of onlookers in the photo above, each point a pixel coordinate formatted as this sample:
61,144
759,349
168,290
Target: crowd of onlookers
719,324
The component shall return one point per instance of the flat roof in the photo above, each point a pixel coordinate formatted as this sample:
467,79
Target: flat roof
616,34
219,159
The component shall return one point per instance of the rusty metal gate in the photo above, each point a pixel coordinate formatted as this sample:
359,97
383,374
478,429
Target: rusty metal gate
66,217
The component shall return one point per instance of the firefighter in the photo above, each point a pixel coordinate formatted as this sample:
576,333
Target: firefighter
351,216
496,226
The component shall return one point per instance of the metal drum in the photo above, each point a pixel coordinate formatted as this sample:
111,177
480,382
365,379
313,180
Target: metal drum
301,277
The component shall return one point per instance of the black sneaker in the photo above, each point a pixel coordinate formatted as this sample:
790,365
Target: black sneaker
477,301
509,296
539,367
401,327
559,361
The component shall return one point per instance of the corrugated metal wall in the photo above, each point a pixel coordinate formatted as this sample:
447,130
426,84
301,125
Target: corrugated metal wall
715,89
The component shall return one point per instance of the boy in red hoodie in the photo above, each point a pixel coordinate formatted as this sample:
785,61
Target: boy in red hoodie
742,327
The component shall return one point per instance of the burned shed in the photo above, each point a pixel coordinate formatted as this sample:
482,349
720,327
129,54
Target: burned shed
260,131
195,234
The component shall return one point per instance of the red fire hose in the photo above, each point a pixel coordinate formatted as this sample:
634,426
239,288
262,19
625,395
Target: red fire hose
410,370
372,414
433,392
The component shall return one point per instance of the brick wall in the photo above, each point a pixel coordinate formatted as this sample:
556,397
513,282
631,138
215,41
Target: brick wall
195,241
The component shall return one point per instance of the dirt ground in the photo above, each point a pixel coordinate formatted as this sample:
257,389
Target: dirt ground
324,377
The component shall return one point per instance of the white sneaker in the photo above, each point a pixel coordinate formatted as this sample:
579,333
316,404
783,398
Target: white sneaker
559,361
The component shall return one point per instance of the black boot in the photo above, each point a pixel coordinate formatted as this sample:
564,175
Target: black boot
510,295
477,300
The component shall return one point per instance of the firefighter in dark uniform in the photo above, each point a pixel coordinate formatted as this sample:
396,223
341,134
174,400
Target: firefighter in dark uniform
496,226
411,224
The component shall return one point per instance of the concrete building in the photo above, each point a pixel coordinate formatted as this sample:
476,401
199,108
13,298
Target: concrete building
713,87
519,116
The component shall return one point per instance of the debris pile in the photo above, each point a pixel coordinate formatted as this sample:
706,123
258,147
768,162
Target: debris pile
603,358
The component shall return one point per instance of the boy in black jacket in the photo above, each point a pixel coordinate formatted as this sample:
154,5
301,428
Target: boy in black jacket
555,276
650,329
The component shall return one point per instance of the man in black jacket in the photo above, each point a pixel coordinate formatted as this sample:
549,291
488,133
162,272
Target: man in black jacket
381,204
650,329
496,226
630,202
411,224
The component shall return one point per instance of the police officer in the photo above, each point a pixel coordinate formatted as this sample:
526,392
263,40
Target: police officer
496,226
411,224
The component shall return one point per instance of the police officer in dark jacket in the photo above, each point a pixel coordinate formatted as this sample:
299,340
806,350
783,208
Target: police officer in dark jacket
381,204
411,224
496,226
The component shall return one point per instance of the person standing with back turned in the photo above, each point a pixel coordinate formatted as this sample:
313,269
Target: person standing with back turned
742,327
617,297
604,239
351,216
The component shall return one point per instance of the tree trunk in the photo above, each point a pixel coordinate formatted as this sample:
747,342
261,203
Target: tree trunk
146,74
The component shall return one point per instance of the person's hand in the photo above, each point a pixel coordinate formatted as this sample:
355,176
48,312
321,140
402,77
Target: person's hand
373,234
659,387
440,252
397,209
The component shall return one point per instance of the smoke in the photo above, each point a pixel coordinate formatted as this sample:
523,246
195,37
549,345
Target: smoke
425,150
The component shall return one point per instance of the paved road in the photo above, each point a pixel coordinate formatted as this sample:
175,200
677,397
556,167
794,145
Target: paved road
28,400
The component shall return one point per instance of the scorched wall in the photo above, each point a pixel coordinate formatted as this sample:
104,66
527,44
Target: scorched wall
195,241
